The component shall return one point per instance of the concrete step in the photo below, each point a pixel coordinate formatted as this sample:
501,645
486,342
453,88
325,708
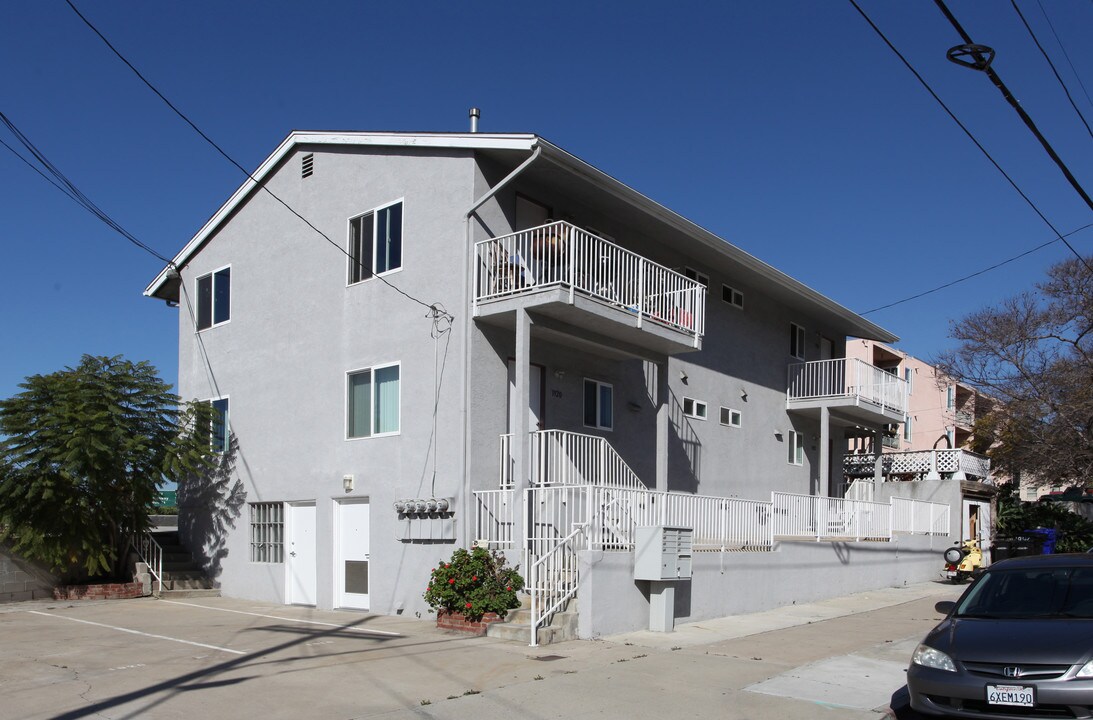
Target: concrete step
189,593
517,625
201,583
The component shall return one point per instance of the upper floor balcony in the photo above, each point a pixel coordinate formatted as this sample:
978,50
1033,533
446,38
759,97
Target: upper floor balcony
855,389
581,284
955,463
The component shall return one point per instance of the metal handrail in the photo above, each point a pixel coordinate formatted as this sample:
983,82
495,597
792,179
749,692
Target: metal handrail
150,553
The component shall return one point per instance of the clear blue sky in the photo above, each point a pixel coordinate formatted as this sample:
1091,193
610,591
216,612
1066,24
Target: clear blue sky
787,128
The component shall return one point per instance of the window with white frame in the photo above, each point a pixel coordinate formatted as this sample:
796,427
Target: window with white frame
375,242
598,400
797,341
950,435
731,417
267,532
950,397
372,401
908,376
908,422
732,296
698,277
219,430
796,448
214,298
694,408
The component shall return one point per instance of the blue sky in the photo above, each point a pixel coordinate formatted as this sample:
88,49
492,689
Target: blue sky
787,128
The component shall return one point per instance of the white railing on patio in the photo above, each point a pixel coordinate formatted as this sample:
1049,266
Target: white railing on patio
559,457
825,518
919,517
150,552
846,378
860,490
922,464
562,255
495,511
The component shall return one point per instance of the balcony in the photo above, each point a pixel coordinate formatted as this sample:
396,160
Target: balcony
856,390
583,286
922,465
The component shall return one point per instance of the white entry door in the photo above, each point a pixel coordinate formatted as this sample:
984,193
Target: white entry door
351,572
300,560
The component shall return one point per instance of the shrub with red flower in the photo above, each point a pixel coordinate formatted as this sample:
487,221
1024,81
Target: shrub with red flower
474,583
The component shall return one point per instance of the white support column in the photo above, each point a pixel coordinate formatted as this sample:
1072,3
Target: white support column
878,460
520,425
825,451
663,423
933,474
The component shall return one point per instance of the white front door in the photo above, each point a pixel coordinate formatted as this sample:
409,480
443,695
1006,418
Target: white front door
300,560
351,571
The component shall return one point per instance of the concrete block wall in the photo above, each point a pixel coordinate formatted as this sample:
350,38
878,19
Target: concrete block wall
19,580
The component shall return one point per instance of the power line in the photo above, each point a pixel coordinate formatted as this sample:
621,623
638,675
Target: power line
1052,66
983,63
1065,53
974,274
968,132
59,180
229,158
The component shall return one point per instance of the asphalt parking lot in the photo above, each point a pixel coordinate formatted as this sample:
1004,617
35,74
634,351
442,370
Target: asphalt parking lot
221,657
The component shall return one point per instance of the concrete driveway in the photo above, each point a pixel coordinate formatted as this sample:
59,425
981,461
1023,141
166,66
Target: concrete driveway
227,658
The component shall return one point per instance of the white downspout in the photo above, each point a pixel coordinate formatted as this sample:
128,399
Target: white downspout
465,501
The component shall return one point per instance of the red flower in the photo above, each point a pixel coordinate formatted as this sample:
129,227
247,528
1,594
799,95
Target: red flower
448,565
468,604
509,589
428,588
475,577
451,581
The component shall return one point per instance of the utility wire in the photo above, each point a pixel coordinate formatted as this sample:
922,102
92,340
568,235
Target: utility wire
994,77
1065,53
229,158
968,132
1052,66
59,180
974,274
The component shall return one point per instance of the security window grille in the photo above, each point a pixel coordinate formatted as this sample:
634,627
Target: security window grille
796,448
797,341
267,532
214,298
694,408
375,243
730,417
372,402
598,398
732,296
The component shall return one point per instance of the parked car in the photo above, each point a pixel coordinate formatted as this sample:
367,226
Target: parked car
1071,494
1017,644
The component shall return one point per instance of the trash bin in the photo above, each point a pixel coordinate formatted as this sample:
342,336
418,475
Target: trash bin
1046,538
1027,543
1001,549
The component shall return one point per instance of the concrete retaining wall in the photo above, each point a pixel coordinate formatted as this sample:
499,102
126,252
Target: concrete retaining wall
20,580
611,601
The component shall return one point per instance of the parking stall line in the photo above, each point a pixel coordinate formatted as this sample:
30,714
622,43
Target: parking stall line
341,626
138,632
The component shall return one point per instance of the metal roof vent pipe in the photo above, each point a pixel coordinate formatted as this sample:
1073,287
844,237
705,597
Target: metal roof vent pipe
475,113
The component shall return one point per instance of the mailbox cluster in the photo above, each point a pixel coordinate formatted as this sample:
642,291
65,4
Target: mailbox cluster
663,553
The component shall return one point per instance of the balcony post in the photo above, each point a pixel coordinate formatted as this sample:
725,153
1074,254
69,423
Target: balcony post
520,428
878,460
933,474
663,424
825,451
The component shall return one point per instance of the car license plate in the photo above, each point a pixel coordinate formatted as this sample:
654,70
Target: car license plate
1010,695
951,573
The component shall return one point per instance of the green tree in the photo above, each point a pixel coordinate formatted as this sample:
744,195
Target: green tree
82,453
1033,354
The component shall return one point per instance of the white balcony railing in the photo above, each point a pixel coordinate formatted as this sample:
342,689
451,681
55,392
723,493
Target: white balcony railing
559,457
919,517
826,518
563,255
847,378
922,464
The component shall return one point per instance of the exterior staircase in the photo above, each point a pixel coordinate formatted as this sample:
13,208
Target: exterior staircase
182,576
516,626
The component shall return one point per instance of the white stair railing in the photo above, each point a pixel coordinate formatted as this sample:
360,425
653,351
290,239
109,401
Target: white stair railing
560,457
150,552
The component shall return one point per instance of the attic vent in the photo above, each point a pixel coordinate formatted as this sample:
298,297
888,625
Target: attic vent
307,165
